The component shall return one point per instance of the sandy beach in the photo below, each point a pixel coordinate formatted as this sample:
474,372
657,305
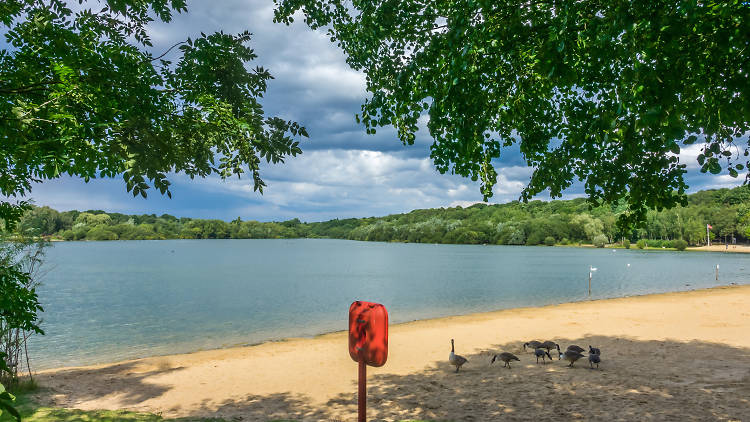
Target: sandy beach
723,248
676,356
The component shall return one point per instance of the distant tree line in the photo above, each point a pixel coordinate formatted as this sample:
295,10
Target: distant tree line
514,223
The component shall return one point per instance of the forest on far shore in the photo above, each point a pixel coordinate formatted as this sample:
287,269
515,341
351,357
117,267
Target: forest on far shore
515,223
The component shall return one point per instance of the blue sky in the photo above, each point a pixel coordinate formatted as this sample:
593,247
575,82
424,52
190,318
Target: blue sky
342,172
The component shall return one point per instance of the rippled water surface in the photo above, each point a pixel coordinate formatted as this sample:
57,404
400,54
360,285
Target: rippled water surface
107,301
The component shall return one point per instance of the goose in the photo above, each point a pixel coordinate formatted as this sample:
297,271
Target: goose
594,350
571,356
575,348
594,358
456,360
540,353
532,344
549,345
505,357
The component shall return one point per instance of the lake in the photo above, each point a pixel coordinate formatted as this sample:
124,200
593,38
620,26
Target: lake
108,301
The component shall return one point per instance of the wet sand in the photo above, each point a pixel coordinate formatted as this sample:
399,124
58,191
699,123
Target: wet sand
675,356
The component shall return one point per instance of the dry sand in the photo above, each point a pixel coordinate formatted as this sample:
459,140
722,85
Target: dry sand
722,248
677,356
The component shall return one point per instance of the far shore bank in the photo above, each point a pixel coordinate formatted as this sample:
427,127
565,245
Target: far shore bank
712,248
660,354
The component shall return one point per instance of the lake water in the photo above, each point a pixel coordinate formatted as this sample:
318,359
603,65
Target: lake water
108,301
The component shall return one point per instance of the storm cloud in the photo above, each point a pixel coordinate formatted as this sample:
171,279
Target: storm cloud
342,172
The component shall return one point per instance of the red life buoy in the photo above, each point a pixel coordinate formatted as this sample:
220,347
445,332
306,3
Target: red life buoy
368,333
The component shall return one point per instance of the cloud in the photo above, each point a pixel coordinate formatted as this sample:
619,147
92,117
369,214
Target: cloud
343,172
354,183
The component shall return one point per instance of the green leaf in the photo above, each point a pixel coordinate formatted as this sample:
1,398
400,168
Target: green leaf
99,103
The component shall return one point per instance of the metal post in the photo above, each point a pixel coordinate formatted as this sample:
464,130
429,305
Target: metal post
717,272
362,391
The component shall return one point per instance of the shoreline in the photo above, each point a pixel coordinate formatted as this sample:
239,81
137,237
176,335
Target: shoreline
437,319
713,248
300,377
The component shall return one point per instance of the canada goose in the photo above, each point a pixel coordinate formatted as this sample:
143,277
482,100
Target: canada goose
532,344
594,358
540,353
575,348
571,356
594,350
456,360
549,345
505,357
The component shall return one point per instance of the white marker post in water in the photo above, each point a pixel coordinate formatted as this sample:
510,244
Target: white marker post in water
591,272
717,272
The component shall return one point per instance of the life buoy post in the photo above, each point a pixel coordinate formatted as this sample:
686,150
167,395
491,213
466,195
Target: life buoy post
368,344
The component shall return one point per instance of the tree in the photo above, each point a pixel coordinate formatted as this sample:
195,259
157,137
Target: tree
44,220
599,240
81,95
605,91
101,233
20,261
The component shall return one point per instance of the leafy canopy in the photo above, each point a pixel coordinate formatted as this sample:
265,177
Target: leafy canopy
81,94
603,91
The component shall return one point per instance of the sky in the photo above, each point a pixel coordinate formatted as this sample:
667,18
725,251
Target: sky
342,173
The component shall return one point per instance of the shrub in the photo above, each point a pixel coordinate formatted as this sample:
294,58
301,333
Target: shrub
679,244
565,241
101,233
80,232
68,235
549,241
641,244
534,238
667,244
626,243
654,243
518,237
600,240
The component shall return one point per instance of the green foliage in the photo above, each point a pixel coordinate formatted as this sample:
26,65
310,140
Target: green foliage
641,244
599,240
626,244
20,260
18,305
658,243
549,241
6,403
101,233
679,244
602,91
81,94
514,223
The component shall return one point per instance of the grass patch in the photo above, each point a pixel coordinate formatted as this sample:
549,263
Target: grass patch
33,412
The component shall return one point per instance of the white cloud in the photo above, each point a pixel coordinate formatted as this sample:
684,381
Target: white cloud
357,183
